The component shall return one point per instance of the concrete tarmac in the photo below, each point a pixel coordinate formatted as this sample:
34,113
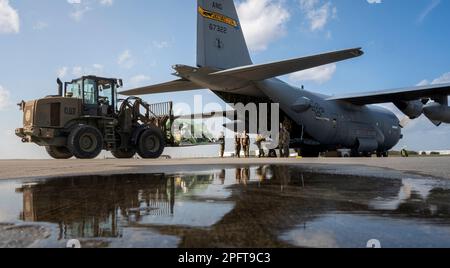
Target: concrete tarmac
226,203
437,167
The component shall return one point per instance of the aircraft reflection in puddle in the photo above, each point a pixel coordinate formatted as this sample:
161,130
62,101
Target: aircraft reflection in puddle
270,206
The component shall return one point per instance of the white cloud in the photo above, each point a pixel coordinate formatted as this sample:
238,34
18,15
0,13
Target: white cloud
318,75
40,25
428,10
374,1
106,2
443,79
62,72
4,98
317,13
81,7
263,21
78,71
125,59
414,133
139,79
161,44
98,67
423,83
9,18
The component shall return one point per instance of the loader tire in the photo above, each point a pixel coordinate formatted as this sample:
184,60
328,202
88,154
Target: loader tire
151,143
58,152
85,142
124,153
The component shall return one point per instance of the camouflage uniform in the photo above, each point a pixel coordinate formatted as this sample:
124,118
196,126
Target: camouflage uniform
286,142
245,142
281,141
237,145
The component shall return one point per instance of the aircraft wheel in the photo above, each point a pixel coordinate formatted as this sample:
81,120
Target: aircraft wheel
151,143
58,152
85,142
124,153
382,154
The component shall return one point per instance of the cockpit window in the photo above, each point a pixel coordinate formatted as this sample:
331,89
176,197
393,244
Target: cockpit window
74,90
89,91
105,91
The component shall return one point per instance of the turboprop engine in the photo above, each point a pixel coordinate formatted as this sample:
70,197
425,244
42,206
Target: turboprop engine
437,113
413,109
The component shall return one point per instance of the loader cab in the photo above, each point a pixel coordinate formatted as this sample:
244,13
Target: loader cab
98,95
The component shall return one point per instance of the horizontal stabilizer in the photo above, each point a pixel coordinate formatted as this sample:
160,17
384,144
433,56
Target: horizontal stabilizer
173,86
265,71
402,94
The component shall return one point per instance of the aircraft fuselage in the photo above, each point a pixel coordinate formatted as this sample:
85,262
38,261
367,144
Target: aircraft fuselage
336,124
330,124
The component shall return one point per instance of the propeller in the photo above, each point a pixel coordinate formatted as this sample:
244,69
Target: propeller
436,123
405,122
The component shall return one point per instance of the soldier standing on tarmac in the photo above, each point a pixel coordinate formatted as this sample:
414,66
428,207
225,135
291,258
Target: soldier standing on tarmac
285,138
281,141
237,145
246,144
286,142
222,144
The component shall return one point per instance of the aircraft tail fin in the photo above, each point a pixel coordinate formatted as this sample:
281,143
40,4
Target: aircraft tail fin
220,40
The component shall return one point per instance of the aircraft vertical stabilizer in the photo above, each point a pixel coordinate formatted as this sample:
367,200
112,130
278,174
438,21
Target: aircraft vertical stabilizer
220,40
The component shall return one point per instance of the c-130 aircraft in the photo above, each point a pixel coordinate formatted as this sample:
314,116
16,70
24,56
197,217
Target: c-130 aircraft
320,122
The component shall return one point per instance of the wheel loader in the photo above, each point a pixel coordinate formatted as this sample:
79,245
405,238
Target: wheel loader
86,117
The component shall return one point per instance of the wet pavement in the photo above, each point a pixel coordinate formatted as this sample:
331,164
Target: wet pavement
248,207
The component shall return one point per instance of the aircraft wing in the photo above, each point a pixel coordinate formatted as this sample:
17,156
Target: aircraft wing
402,94
173,86
265,71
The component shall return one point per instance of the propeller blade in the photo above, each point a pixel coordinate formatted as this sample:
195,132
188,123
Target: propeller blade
405,122
436,123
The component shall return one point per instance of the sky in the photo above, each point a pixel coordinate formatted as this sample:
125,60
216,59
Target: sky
405,42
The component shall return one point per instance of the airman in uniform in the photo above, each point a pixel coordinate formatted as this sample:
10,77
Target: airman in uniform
245,142
237,145
286,142
285,138
281,141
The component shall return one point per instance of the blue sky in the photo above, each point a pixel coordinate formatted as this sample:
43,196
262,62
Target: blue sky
406,43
